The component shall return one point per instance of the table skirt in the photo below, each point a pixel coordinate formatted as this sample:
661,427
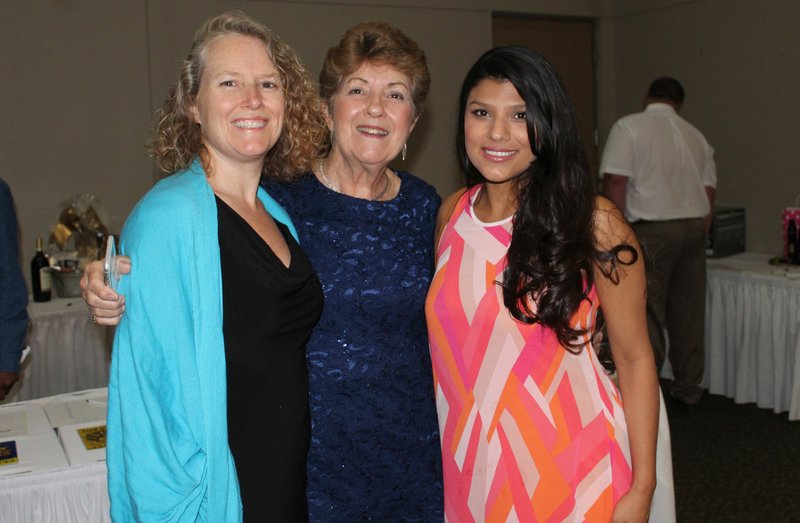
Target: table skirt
752,340
68,351
69,495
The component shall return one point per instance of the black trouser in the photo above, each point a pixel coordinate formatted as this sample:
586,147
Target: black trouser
676,297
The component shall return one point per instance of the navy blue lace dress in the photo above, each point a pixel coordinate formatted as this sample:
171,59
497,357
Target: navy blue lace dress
374,439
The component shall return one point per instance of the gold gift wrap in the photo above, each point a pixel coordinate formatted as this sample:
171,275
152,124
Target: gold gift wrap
91,221
80,228
60,235
70,218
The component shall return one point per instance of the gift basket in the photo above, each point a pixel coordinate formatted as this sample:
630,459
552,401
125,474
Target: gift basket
78,238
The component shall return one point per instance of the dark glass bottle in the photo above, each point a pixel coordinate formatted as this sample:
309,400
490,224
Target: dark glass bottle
40,274
795,257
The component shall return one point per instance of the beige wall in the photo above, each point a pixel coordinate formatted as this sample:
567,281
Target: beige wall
81,79
74,107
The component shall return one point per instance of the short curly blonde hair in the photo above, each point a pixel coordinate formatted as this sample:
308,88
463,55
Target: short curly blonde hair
176,138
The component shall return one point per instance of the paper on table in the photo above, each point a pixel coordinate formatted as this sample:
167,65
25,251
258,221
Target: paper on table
13,423
38,448
8,453
75,446
93,437
77,407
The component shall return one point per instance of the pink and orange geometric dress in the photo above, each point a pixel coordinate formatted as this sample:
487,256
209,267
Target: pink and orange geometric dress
530,432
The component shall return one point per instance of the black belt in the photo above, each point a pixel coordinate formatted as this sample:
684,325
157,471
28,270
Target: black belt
665,221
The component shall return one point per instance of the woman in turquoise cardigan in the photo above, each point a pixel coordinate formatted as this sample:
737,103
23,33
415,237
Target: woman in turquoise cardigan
180,443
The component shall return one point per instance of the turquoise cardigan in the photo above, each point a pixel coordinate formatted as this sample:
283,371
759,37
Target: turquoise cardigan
168,457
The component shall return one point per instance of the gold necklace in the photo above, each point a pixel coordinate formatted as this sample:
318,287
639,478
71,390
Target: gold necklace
330,185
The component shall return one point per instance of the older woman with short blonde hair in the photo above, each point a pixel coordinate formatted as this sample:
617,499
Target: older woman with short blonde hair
368,229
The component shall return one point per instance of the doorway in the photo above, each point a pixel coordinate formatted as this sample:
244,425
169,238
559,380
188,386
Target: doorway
568,44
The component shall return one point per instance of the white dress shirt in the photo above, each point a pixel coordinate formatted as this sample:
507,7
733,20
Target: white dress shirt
668,163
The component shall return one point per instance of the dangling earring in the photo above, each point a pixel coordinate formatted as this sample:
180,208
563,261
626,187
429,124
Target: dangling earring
333,137
405,150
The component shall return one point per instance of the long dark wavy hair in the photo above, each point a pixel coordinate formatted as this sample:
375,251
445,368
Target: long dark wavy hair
553,251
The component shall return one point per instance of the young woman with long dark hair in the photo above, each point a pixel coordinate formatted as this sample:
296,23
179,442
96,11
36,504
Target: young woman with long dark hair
532,426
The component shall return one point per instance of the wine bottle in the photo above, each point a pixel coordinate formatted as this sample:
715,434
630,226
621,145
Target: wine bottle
795,259
40,274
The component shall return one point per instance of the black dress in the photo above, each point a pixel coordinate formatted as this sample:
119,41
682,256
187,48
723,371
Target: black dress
269,311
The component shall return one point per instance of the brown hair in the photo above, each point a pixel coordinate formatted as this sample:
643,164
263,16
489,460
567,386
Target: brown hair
176,137
378,43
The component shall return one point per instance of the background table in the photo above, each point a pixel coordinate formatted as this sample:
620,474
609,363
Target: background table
68,351
50,489
753,332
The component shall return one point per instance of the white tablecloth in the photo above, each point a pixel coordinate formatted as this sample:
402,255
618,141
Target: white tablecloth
53,491
65,495
753,332
68,351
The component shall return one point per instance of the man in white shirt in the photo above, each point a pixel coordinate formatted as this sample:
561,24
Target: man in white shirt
659,170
